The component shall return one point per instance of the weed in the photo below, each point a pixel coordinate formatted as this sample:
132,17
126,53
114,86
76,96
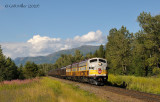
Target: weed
45,90
143,84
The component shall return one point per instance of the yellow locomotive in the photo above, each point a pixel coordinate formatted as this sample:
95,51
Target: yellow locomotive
93,71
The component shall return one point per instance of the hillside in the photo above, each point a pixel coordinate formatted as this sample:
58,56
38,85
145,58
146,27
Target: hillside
51,58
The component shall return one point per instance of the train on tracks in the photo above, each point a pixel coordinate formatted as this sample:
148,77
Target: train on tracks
93,71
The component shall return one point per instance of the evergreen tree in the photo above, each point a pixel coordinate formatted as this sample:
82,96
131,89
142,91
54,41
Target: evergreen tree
101,52
95,54
64,60
21,72
89,55
2,65
78,56
118,50
150,44
44,68
31,70
11,70
8,69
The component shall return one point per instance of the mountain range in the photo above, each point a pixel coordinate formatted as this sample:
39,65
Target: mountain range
51,58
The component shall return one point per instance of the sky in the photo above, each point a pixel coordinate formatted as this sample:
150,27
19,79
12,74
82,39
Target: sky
55,25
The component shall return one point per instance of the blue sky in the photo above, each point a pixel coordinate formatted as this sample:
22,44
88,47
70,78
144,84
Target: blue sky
66,19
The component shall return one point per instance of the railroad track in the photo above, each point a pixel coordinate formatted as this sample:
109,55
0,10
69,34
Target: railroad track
147,97
115,94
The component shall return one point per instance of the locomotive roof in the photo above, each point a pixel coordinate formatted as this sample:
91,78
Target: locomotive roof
83,61
97,58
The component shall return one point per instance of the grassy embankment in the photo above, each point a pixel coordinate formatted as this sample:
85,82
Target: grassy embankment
143,84
44,90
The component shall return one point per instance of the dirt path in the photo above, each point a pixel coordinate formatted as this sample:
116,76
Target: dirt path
114,94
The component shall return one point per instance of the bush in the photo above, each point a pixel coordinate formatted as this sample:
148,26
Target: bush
156,71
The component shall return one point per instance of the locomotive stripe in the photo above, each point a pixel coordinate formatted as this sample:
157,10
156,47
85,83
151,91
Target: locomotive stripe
96,72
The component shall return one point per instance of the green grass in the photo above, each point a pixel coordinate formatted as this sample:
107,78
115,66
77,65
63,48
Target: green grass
143,84
45,90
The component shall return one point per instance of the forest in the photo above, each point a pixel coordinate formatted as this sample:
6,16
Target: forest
127,53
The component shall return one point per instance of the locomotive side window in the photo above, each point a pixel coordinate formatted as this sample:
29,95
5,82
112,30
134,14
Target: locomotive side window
101,60
93,60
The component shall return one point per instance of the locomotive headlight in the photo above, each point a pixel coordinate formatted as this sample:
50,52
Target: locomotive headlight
99,64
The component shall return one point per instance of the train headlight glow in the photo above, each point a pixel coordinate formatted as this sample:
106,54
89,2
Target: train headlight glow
99,64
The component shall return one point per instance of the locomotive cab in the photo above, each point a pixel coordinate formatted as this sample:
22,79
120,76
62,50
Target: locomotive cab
97,70
97,66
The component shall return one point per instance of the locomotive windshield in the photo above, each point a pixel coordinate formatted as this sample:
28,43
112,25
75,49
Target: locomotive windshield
101,60
93,60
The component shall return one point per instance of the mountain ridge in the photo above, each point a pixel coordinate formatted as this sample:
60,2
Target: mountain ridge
51,58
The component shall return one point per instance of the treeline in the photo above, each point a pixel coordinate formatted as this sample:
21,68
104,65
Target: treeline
127,53
65,59
9,71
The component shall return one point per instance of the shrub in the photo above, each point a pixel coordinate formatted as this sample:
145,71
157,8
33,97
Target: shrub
156,71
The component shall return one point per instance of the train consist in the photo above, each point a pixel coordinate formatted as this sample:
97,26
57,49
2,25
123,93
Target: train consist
93,71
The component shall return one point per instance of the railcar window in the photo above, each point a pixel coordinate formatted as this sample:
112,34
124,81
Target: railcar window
74,69
93,60
82,68
101,60
82,64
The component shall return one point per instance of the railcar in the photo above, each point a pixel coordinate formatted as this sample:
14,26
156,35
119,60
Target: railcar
93,71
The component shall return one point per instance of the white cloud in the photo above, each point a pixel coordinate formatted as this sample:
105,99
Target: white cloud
66,47
38,39
91,37
15,49
43,45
